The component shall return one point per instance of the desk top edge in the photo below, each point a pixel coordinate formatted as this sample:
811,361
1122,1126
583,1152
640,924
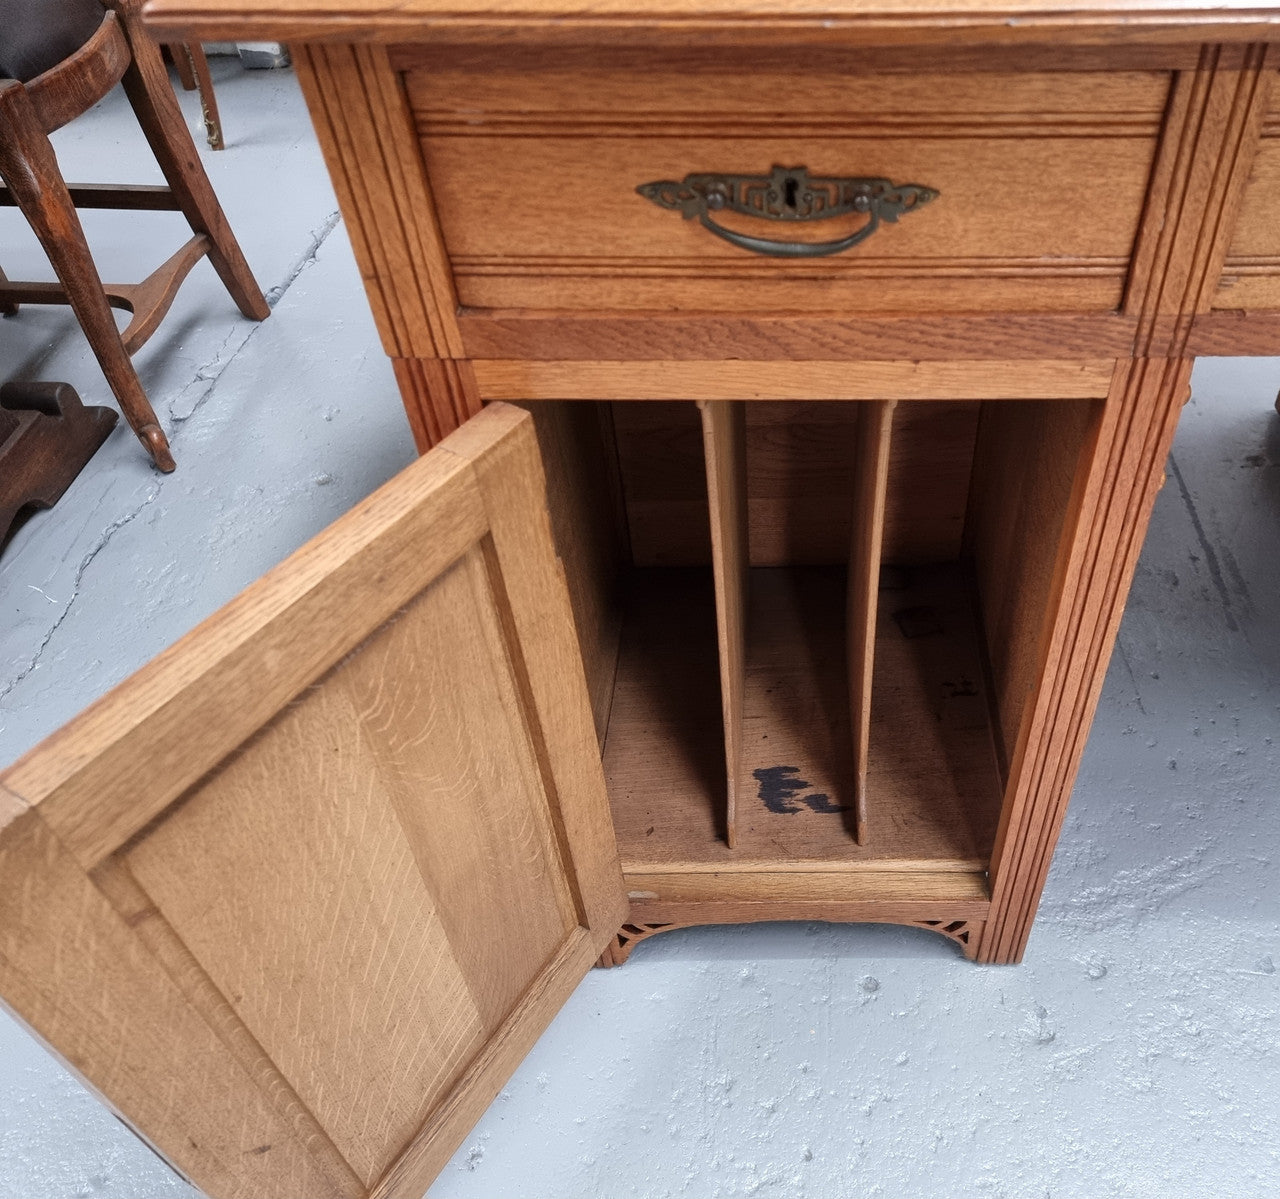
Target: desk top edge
997,21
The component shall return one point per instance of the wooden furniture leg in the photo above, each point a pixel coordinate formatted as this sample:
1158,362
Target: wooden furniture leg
30,169
146,83
46,437
199,64
8,307
192,65
177,52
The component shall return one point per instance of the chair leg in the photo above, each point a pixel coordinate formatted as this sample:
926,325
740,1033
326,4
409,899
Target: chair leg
8,307
199,63
29,167
182,64
146,83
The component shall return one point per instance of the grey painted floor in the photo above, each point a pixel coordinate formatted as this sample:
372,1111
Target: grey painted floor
1133,1054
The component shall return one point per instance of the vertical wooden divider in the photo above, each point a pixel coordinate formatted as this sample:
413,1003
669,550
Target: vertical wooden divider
724,443
870,482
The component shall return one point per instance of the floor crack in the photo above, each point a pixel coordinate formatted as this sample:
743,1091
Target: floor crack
208,374
318,238
211,371
107,534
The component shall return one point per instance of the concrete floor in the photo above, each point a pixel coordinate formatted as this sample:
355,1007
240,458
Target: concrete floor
1133,1054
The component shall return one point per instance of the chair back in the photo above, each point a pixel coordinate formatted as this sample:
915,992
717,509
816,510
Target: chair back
78,82
38,34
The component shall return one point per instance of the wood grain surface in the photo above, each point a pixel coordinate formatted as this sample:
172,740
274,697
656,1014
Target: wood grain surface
724,438
1251,274
956,379
871,484
1087,22
385,196
588,522
331,863
529,334
873,894
482,94
800,489
1202,169
1005,152
1027,459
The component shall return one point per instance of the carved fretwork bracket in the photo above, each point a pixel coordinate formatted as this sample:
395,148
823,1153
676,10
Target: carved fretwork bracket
964,933
619,949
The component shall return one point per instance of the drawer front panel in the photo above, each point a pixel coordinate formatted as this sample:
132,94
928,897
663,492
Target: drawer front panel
1251,273
1041,182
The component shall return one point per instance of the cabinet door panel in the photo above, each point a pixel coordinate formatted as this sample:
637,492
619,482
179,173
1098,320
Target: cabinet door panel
370,897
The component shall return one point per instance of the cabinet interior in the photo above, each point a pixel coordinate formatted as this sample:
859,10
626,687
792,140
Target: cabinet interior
811,630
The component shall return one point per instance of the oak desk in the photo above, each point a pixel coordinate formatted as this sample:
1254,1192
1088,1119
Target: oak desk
852,341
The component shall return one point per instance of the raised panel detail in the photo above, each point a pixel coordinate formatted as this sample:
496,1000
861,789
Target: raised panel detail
349,837
315,875
1251,274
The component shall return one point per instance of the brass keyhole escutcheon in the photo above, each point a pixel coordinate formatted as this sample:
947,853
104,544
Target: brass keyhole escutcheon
787,194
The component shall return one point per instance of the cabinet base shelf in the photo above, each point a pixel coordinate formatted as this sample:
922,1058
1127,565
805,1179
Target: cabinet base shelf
933,784
949,901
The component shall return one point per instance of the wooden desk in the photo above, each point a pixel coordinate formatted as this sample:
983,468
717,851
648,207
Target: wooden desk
843,538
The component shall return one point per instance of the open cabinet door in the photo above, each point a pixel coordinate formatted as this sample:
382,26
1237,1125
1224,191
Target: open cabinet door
298,896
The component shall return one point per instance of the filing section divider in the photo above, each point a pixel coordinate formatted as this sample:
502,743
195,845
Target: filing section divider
724,438
870,482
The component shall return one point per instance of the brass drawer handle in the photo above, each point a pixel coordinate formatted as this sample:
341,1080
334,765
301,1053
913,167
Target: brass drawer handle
787,194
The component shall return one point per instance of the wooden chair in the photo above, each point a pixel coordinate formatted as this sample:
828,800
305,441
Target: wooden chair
118,50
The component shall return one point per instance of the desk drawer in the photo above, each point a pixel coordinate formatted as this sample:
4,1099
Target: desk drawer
1039,178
